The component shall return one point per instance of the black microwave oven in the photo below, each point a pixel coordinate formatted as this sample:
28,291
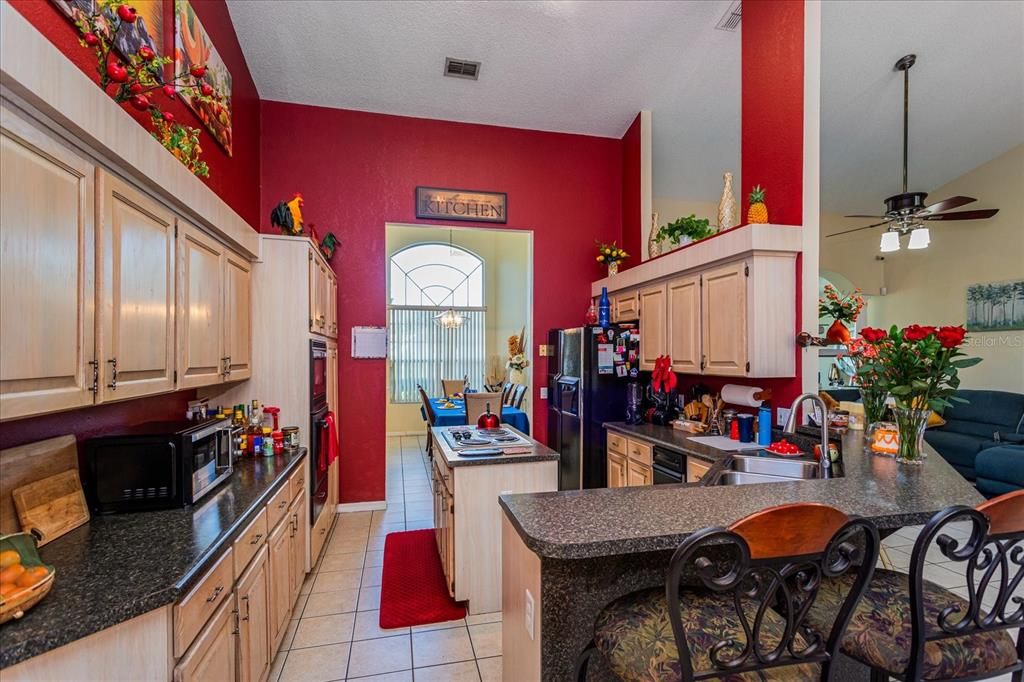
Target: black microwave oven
157,465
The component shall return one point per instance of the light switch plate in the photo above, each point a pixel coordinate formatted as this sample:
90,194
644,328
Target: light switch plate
543,392
781,416
545,350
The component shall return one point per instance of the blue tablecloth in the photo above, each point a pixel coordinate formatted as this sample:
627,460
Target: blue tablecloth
453,416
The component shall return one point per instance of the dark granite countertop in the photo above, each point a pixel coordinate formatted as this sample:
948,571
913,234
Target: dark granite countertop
540,452
618,521
120,566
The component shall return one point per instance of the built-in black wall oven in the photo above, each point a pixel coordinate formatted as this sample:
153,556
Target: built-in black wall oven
317,427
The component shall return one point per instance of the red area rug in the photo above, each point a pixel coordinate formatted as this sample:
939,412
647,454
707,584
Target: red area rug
413,589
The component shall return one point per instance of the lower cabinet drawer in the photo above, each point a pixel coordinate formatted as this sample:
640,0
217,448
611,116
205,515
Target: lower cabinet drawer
639,452
318,535
277,508
616,443
213,656
192,612
249,542
297,481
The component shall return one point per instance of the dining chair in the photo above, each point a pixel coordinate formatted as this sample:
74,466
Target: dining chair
742,613
476,403
431,420
913,629
505,390
450,387
517,396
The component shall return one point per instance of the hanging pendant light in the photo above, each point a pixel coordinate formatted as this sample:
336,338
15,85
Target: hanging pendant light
890,242
451,318
919,238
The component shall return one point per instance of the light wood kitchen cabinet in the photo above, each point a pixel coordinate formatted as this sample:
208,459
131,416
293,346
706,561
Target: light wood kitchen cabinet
200,300
299,537
237,317
683,321
653,325
618,473
639,473
252,604
625,307
47,274
323,296
279,553
135,264
724,320
695,469
212,655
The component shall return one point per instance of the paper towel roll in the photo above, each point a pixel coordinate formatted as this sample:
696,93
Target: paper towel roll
746,396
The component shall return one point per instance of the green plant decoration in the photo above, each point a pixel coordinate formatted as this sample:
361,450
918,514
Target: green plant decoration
691,226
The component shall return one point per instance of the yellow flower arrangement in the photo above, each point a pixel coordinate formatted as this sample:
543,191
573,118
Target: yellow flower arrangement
610,253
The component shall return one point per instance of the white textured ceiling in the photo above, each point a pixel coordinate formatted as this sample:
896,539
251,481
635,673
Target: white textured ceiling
588,67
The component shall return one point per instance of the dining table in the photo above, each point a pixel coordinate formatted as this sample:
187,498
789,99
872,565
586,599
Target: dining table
453,413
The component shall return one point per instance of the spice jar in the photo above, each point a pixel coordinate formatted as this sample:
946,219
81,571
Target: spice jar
278,441
291,437
268,442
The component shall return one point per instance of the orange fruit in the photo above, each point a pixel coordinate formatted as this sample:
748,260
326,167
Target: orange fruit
31,576
11,573
9,557
6,589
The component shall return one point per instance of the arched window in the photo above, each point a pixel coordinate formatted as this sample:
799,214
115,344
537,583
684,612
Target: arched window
425,280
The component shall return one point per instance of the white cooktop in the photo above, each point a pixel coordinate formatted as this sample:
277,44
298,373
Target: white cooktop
461,438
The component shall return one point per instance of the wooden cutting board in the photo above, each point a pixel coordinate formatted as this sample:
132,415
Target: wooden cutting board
52,506
26,464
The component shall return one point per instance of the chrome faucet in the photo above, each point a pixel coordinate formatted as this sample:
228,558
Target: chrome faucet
826,458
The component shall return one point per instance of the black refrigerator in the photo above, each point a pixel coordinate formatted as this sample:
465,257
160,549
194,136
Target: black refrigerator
587,378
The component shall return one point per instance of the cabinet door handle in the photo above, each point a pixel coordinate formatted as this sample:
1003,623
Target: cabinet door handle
113,374
216,593
256,539
282,504
95,386
246,600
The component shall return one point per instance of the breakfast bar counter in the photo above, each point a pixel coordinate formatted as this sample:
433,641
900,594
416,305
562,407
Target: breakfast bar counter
574,552
121,566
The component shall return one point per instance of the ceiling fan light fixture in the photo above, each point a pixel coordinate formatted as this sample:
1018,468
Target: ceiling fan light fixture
449,319
919,238
890,242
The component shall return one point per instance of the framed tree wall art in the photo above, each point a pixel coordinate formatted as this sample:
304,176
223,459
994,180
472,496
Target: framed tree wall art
193,48
994,307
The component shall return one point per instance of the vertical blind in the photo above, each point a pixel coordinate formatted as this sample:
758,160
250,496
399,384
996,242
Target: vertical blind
422,352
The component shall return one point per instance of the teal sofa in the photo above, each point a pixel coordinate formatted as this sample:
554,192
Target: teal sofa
991,419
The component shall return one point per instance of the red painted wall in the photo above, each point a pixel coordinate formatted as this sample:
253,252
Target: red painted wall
357,171
631,227
236,178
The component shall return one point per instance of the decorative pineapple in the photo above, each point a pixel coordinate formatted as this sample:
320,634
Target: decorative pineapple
758,212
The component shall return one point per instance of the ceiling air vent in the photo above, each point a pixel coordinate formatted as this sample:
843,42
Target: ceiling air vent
461,68
730,21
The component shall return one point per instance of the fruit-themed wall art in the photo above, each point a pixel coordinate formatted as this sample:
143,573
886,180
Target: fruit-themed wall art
147,29
192,46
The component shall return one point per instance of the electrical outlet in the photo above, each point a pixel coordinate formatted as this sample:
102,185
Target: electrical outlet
543,392
781,416
528,614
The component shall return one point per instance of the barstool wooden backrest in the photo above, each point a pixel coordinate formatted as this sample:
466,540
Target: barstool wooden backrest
774,559
992,558
452,386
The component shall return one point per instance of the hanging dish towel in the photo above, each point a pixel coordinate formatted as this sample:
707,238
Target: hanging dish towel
332,438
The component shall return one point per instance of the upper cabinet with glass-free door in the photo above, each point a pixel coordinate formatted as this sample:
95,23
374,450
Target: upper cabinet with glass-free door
46,272
136,268
201,359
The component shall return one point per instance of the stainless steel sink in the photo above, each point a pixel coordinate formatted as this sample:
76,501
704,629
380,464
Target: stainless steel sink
741,478
786,468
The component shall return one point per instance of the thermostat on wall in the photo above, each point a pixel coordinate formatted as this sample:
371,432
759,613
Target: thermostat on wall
369,342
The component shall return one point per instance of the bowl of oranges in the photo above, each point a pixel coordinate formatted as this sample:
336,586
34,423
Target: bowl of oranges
24,578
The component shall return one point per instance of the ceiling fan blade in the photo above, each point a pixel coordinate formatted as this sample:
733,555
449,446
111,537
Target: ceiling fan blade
858,229
980,214
862,215
944,205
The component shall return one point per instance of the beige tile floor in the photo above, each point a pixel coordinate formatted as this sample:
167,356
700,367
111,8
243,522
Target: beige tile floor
334,634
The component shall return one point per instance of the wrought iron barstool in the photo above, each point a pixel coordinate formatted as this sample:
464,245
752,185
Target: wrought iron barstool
746,619
910,628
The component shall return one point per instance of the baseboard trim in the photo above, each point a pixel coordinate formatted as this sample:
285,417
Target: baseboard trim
361,506
396,434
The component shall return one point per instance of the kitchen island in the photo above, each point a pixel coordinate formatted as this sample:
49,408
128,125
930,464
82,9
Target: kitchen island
469,531
568,554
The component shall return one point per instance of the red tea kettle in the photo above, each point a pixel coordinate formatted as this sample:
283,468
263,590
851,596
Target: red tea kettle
488,420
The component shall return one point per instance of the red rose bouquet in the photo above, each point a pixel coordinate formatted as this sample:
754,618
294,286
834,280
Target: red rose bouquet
918,366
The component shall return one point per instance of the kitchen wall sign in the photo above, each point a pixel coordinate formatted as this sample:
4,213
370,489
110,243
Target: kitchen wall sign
433,203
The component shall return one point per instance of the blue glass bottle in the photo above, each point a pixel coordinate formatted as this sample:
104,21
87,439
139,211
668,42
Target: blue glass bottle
604,309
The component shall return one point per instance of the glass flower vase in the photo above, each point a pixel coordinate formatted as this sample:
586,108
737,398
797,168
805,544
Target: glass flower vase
911,424
613,268
873,400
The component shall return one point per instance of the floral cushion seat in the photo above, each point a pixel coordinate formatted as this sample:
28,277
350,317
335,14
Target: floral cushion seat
635,637
879,633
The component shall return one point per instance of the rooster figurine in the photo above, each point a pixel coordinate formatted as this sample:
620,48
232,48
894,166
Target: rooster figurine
287,217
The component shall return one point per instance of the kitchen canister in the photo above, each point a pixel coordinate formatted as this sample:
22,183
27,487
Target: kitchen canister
291,437
764,426
746,428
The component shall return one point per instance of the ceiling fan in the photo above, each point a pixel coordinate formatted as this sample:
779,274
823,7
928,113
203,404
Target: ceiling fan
906,212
